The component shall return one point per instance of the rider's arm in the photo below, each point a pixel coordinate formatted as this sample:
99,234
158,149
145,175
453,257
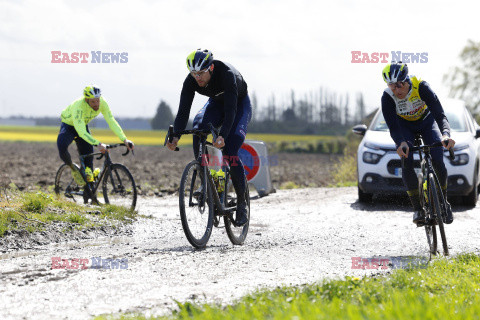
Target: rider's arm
390,114
81,128
112,123
186,99
230,102
435,107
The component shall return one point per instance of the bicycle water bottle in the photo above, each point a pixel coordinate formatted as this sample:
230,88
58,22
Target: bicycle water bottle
213,173
425,190
96,173
221,180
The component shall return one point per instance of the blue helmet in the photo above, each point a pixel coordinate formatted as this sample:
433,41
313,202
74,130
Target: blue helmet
395,72
199,60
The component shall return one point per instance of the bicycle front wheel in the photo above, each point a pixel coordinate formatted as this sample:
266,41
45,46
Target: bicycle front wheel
119,187
236,235
430,230
196,205
65,185
436,197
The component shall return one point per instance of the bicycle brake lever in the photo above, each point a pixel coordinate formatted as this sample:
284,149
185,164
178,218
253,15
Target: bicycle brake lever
169,137
452,154
213,131
100,156
403,158
450,151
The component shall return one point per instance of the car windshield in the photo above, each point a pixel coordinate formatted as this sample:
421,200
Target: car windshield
456,120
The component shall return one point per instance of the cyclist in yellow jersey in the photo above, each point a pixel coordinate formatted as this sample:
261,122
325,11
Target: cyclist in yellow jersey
75,119
410,106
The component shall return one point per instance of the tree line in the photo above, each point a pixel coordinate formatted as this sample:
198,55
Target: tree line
318,112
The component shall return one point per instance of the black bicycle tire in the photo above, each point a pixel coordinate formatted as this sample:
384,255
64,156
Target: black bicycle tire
64,168
129,175
202,242
434,190
431,240
228,224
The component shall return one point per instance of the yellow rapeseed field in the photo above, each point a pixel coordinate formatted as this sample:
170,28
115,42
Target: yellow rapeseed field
139,137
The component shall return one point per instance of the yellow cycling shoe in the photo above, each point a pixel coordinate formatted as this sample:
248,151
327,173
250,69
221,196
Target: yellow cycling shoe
89,174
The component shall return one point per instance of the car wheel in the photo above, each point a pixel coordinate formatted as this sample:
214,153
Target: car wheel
364,197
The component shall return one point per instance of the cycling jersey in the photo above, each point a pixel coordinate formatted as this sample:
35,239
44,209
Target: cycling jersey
419,103
226,86
79,114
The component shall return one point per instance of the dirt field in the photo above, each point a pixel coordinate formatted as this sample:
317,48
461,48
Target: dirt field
156,170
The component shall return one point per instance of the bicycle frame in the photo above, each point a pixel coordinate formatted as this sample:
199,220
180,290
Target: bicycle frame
219,205
92,187
426,165
220,208
437,206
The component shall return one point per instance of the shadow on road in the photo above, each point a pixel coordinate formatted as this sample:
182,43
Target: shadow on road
400,203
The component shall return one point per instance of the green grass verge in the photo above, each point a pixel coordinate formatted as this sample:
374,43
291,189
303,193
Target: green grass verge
35,211
446,289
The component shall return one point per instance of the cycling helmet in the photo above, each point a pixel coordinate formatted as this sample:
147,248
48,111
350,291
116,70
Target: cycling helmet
199,60
92,92
395,72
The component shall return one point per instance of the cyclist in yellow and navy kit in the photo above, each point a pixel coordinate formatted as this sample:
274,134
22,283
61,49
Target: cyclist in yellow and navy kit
75,119
410,106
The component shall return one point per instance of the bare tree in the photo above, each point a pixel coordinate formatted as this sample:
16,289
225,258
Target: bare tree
464,81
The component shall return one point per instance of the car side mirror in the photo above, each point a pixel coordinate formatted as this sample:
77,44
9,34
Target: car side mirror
477,133
360,129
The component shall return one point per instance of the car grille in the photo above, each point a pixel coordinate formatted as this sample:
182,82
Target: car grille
394,182
393,164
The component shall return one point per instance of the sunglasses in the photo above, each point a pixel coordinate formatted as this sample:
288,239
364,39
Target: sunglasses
197,74
392,86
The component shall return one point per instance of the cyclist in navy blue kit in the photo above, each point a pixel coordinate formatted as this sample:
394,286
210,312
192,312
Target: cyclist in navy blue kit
228,106
410,106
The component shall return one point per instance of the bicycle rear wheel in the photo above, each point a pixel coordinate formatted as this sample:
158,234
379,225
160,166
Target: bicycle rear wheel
196,205
436,196
236,235
119,187
65,185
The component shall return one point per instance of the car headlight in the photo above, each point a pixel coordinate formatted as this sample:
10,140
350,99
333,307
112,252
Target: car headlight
458,148
460,159
371,146
370,157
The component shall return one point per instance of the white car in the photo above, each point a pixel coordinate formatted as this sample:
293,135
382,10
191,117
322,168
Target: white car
379,166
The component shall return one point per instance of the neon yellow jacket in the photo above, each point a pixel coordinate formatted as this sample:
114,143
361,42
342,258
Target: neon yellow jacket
79,114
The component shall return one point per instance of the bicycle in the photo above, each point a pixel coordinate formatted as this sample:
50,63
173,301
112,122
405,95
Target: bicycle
118,185
431,195
201,205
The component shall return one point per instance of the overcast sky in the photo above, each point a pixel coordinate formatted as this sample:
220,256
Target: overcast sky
277,46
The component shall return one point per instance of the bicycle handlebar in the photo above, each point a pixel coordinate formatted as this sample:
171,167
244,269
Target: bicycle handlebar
110,146
423,147
199,132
